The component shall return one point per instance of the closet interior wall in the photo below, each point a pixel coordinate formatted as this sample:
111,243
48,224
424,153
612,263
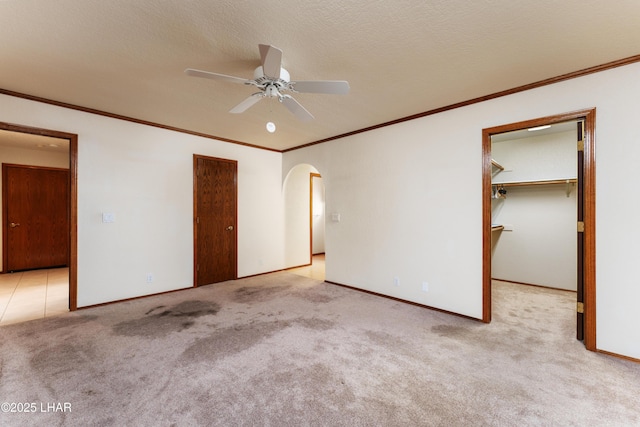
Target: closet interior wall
535,237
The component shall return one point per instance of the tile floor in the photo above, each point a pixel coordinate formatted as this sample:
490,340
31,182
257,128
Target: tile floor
315,270
35,294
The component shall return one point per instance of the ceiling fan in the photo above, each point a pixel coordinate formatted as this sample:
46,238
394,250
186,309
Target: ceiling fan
273,80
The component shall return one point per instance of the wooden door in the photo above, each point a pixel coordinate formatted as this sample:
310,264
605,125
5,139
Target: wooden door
215,217
580,255
36,217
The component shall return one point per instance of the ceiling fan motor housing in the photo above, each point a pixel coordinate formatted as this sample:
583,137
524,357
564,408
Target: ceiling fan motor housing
272,86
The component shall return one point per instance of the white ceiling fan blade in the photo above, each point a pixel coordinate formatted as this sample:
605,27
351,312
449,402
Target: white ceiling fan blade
214,76
271,60
336,87
247,103
296,108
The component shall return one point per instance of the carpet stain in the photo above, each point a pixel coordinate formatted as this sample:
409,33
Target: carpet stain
314,297
54,323
62,359
386,340
160,307
316,324
258,293
156,323
231,340
228,341
518,357
451,331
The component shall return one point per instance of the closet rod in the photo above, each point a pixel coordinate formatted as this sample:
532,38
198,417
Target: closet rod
544,182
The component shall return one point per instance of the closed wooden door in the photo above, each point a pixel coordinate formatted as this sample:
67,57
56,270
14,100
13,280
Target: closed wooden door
36,217
215,213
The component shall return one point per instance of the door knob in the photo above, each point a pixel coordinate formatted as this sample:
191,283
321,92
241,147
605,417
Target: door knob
14,225
229,228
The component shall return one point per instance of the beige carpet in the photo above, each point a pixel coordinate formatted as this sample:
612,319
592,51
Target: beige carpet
284,350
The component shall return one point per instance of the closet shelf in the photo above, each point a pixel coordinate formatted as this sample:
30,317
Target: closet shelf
497,165
542,182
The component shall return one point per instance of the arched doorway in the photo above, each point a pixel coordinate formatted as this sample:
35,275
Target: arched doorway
304,198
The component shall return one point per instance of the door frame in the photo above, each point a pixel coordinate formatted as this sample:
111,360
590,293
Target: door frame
73,199
311,176
589,193
195,215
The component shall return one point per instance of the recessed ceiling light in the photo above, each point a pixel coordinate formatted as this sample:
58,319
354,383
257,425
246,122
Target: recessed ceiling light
271,127
539,128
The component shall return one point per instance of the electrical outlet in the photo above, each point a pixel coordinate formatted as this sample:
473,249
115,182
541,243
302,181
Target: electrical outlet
149,278
396,281
425,286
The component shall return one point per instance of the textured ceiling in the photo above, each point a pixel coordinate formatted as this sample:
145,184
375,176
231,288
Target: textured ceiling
401,57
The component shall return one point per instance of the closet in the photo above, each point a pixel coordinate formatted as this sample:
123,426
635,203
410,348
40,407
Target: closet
533,206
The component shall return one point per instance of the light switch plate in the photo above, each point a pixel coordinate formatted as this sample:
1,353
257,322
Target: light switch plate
108,217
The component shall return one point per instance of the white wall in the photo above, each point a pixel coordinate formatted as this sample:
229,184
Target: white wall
402,212
296,198
539,243
544,157
410,196
22,156
144,175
